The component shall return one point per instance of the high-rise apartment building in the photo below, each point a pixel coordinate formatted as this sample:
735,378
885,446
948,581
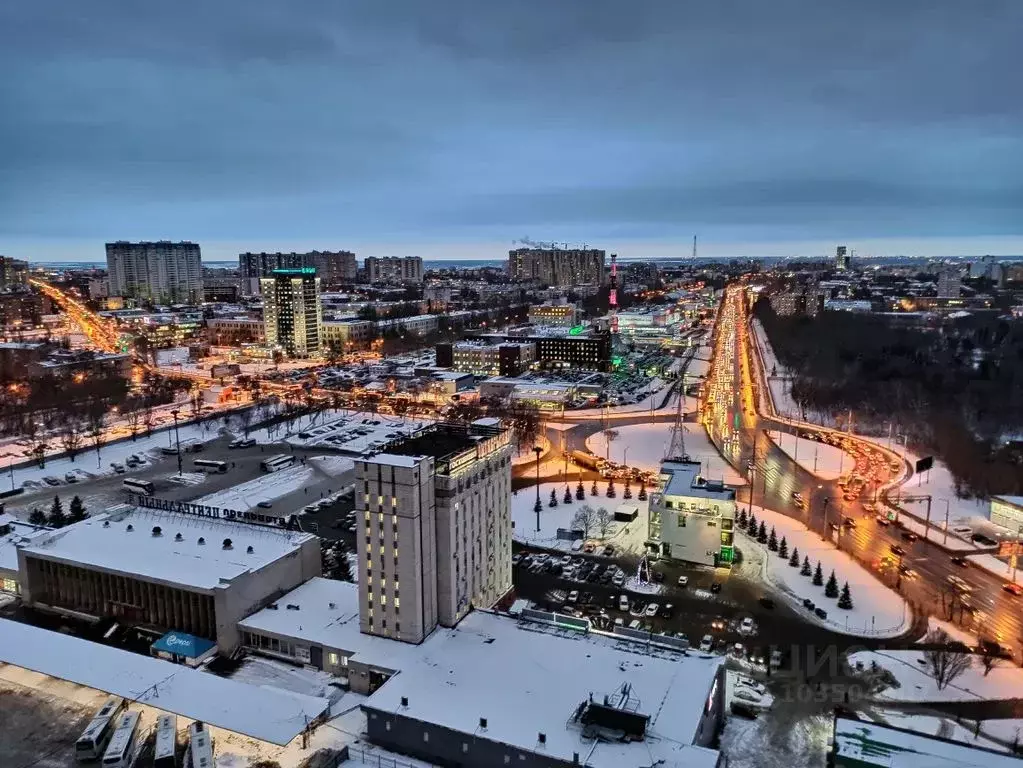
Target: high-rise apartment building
163,272
949,284
334,268
841,258
558,266
13,274
394,269
435,529
292,313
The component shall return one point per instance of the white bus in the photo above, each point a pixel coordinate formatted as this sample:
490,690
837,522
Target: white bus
209,465
200,746
278,462
121,749
138,486
93,741
165,751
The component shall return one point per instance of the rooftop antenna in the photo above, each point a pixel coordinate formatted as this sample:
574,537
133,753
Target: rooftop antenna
694,247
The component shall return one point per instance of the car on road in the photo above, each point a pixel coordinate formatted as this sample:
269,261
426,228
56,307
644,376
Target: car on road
882,520
909,536
715,587
683,581
848,522
573,596
820,613
265,504
1013,589
746,627
651,610
961,561
907,573
897,550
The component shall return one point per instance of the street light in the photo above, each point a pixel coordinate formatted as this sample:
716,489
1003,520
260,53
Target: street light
177,438
538,506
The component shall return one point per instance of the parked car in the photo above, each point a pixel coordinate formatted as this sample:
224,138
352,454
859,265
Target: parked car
118,467
683,581
882,520
821,613
808,604
623,603
745,694
71,477
651,609
573,596
577,545
265,504
666,611
746,627
634,624
707,644
1013,589
961,561
618,579
51,480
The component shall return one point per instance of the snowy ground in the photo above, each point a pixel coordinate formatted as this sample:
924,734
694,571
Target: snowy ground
776,739
263,488
524,454
92,464
625,536
823,460
644,446
877,610
945,727
1005,681
257,670
633,409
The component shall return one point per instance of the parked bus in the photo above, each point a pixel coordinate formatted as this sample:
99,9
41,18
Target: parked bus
200,746
93,741
121,749
210,465
165,751
138,486
276,463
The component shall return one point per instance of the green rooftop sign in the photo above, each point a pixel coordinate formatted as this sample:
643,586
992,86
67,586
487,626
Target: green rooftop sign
296,271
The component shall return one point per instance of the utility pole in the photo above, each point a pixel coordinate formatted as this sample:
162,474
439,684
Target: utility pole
538,450
752,471
825,534
177,438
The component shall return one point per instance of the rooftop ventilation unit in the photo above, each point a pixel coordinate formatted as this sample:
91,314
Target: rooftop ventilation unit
202,540
178,537
249,549
130,528
228,544
157,530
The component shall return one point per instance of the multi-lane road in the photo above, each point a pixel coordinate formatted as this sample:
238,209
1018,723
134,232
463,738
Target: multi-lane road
737,425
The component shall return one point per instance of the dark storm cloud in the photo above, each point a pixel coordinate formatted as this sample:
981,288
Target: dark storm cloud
588,119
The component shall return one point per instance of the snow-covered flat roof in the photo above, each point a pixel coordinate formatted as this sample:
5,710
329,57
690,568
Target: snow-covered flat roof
328,615
526,681
393,460
869,743
263,713
105,542
20,533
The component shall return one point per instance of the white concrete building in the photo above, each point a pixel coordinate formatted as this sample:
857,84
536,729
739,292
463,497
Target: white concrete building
436,529
691,518
162,272
292,313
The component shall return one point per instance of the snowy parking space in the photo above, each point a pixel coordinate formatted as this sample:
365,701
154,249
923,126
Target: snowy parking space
266,488
877,610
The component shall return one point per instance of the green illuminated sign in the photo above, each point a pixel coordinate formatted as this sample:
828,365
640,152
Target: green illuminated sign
726,555
576,330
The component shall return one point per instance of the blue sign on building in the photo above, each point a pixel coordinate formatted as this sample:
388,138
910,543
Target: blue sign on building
182,644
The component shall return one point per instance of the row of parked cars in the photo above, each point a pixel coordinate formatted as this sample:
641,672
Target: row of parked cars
573,567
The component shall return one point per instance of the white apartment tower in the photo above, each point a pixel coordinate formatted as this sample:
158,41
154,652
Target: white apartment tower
292,311
162,272
436,529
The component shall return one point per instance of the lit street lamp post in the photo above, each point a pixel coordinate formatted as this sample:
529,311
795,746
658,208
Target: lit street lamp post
177,438
824,535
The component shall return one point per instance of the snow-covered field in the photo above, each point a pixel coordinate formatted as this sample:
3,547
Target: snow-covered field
625,536
944,727
1005,681
335,466
264,488
776,740
877,610
643,446
823,460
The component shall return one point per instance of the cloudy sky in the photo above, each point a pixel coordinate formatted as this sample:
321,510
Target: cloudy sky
453,128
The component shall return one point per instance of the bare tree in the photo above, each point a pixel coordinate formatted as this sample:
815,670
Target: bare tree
245,417
148,418
604,519
71,436
584,519
133,417
946,660
610,435
96,421
990,652
196,404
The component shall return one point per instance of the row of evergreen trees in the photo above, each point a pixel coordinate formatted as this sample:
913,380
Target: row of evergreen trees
758,530
57,517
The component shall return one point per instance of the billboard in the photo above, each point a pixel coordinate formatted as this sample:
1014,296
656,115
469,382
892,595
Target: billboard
924,464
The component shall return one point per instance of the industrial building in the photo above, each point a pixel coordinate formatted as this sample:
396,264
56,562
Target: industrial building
292,313
436,511
161,272
165,570
482,359
691,518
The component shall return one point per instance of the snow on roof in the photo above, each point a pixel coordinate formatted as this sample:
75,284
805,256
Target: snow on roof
104,541
20,533
526,681
1016,501
393,460
263,713
334,627
870,743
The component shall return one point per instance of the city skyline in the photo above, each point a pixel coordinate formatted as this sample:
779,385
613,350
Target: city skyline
439,130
